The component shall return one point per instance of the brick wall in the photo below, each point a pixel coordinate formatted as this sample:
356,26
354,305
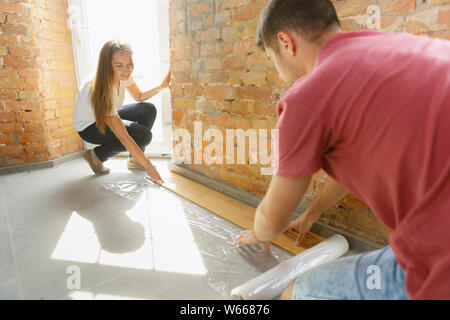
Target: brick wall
37,82
222,80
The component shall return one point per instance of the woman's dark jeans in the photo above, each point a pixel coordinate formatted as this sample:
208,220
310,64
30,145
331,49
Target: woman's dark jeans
138,119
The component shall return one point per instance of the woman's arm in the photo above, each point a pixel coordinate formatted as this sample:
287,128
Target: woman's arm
117,127
138,95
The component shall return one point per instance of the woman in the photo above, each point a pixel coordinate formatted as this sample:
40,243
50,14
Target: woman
100,118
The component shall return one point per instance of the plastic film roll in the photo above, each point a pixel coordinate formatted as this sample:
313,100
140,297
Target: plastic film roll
271,284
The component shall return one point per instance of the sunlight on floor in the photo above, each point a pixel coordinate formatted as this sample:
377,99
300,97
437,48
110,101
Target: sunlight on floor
168,246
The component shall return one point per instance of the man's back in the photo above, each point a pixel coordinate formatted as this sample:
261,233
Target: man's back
376,108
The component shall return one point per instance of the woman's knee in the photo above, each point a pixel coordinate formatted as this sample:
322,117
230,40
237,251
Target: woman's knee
140,134
145,137
148,108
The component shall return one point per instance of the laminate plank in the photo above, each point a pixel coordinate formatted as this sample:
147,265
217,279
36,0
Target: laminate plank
230,209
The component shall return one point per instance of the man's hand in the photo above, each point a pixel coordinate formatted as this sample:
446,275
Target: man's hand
302,224
248,237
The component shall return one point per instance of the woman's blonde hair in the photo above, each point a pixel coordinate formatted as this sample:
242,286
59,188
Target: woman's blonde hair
102,85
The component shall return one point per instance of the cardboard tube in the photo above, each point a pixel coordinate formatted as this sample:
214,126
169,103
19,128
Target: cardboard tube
272,283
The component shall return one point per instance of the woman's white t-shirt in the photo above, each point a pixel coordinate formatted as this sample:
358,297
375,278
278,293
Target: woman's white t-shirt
84,116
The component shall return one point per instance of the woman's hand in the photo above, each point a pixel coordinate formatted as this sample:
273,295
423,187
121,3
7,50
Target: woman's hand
154,175
248,237
166,82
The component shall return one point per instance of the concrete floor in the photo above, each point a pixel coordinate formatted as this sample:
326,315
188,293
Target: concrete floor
63,235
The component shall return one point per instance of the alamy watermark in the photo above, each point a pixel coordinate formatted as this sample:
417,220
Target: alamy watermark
73,281
374,280
258,147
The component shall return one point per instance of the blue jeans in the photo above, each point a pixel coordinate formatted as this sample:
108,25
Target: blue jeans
138,119
373,275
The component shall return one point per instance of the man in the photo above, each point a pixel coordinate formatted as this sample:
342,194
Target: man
372,109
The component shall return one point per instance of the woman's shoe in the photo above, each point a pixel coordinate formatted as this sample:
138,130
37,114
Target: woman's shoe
134,165
98,169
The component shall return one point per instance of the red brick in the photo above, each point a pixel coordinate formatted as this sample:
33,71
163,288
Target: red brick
444,17
19,63
229,4
64,112
416,27
249,11
254,78
254,93
10,127
14,29
274,80
6,138
178,114
247,108
7,7
35,147
401,5
52,124
217,92
49,115
210,34
13,149
9,40
29,116
177,90
259,61
17,19
66,121
8,74
184,103
200,8
12,84
193,90
22,105
31,137
33,127
235,62
31,84
8,95
245,46
36,157
20,52
7,116
29,74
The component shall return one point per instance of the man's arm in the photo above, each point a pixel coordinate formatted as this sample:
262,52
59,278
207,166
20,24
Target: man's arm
331,193
284,195
275,210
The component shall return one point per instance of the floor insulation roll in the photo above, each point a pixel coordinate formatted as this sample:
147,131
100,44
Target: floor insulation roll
272,283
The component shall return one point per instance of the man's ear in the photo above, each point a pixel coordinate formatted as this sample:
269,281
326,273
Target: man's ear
286,43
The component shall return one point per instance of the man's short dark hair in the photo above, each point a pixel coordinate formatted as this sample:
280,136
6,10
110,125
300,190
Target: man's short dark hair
308,18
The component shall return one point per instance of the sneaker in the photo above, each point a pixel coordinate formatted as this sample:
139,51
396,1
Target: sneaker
98,169
134,165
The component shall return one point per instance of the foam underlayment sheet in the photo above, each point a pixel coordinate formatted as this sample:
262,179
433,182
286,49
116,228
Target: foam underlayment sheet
227,264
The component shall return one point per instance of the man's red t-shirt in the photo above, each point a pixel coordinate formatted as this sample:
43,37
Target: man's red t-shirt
374,113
